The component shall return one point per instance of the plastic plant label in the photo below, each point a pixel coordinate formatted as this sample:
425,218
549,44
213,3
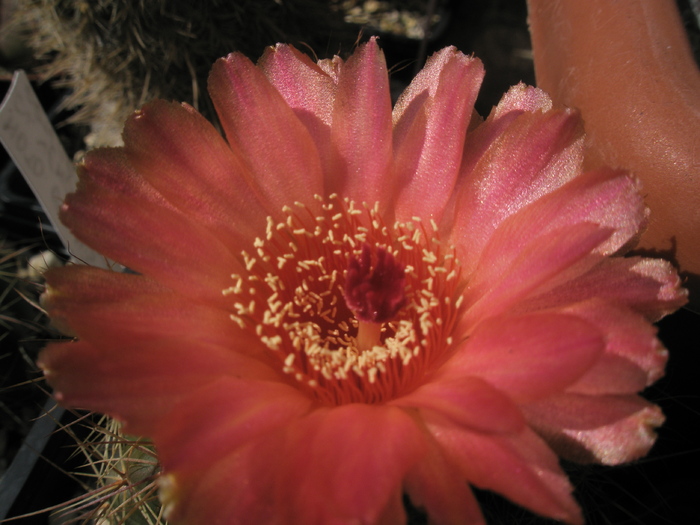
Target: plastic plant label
34,147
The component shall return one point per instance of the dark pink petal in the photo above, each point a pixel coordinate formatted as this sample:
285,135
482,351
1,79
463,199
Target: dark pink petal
430,123
90,285
530,156
181,155
361,132
260,126
649,286
91,302
611,374
633,358
235,489
521,467
509,272
343,465
436,485
602,429
354,458
139,383
467,401
120,215
216,420
308,90
394,513
529,356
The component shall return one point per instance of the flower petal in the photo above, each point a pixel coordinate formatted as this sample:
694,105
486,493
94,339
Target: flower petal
529,356
217,419
120,215
430,123
612,374
633,358
630,338
91,302
261,126
436,485
520,98
332,67
353,459
609,198
605,197
88,285
141,382
648,286
308,90
181,155
507,273
534,154
361,132
468,401
601,429
522,468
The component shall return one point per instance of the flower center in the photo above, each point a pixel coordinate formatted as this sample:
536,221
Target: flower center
353,310
374,293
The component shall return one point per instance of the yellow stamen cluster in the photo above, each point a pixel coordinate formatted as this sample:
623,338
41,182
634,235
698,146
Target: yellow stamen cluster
291,296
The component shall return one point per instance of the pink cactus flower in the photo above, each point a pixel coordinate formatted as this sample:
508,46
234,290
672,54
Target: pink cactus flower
340,304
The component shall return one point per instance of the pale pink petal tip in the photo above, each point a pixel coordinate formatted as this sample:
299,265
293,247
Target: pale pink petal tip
309,91
670,291
522,97
597,429
624,440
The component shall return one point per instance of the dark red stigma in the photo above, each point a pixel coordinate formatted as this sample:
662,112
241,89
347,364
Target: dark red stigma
375,292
